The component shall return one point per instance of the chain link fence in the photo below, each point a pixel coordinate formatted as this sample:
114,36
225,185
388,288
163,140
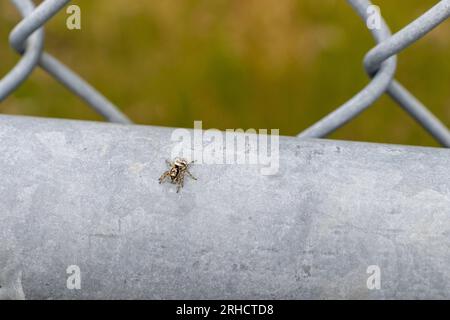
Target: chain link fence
27,38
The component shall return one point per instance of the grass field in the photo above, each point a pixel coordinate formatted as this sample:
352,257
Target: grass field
233,64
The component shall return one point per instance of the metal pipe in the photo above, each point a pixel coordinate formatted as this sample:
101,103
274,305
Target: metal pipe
86,194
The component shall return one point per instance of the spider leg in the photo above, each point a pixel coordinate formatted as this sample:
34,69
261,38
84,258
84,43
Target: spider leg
190,174
180,182
164,176
169,164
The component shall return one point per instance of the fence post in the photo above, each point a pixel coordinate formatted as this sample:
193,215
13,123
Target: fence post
85,195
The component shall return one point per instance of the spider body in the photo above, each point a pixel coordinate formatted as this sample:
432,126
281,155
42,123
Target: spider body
177,170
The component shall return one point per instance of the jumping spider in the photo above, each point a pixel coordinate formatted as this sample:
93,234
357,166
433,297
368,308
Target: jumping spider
176,172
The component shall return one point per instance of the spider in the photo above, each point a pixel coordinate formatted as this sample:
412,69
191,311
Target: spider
176,172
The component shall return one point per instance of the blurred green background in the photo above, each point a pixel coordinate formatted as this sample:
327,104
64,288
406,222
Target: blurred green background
233,64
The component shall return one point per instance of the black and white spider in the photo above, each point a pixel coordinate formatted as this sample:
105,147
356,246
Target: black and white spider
176,172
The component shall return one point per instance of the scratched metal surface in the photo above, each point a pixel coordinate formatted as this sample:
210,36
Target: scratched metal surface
86,194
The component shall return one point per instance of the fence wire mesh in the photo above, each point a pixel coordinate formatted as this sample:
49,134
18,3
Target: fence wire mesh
27,38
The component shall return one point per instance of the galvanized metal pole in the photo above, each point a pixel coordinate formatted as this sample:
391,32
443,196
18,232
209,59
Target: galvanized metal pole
86,194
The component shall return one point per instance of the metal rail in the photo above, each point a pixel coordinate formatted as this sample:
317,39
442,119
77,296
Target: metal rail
87,194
